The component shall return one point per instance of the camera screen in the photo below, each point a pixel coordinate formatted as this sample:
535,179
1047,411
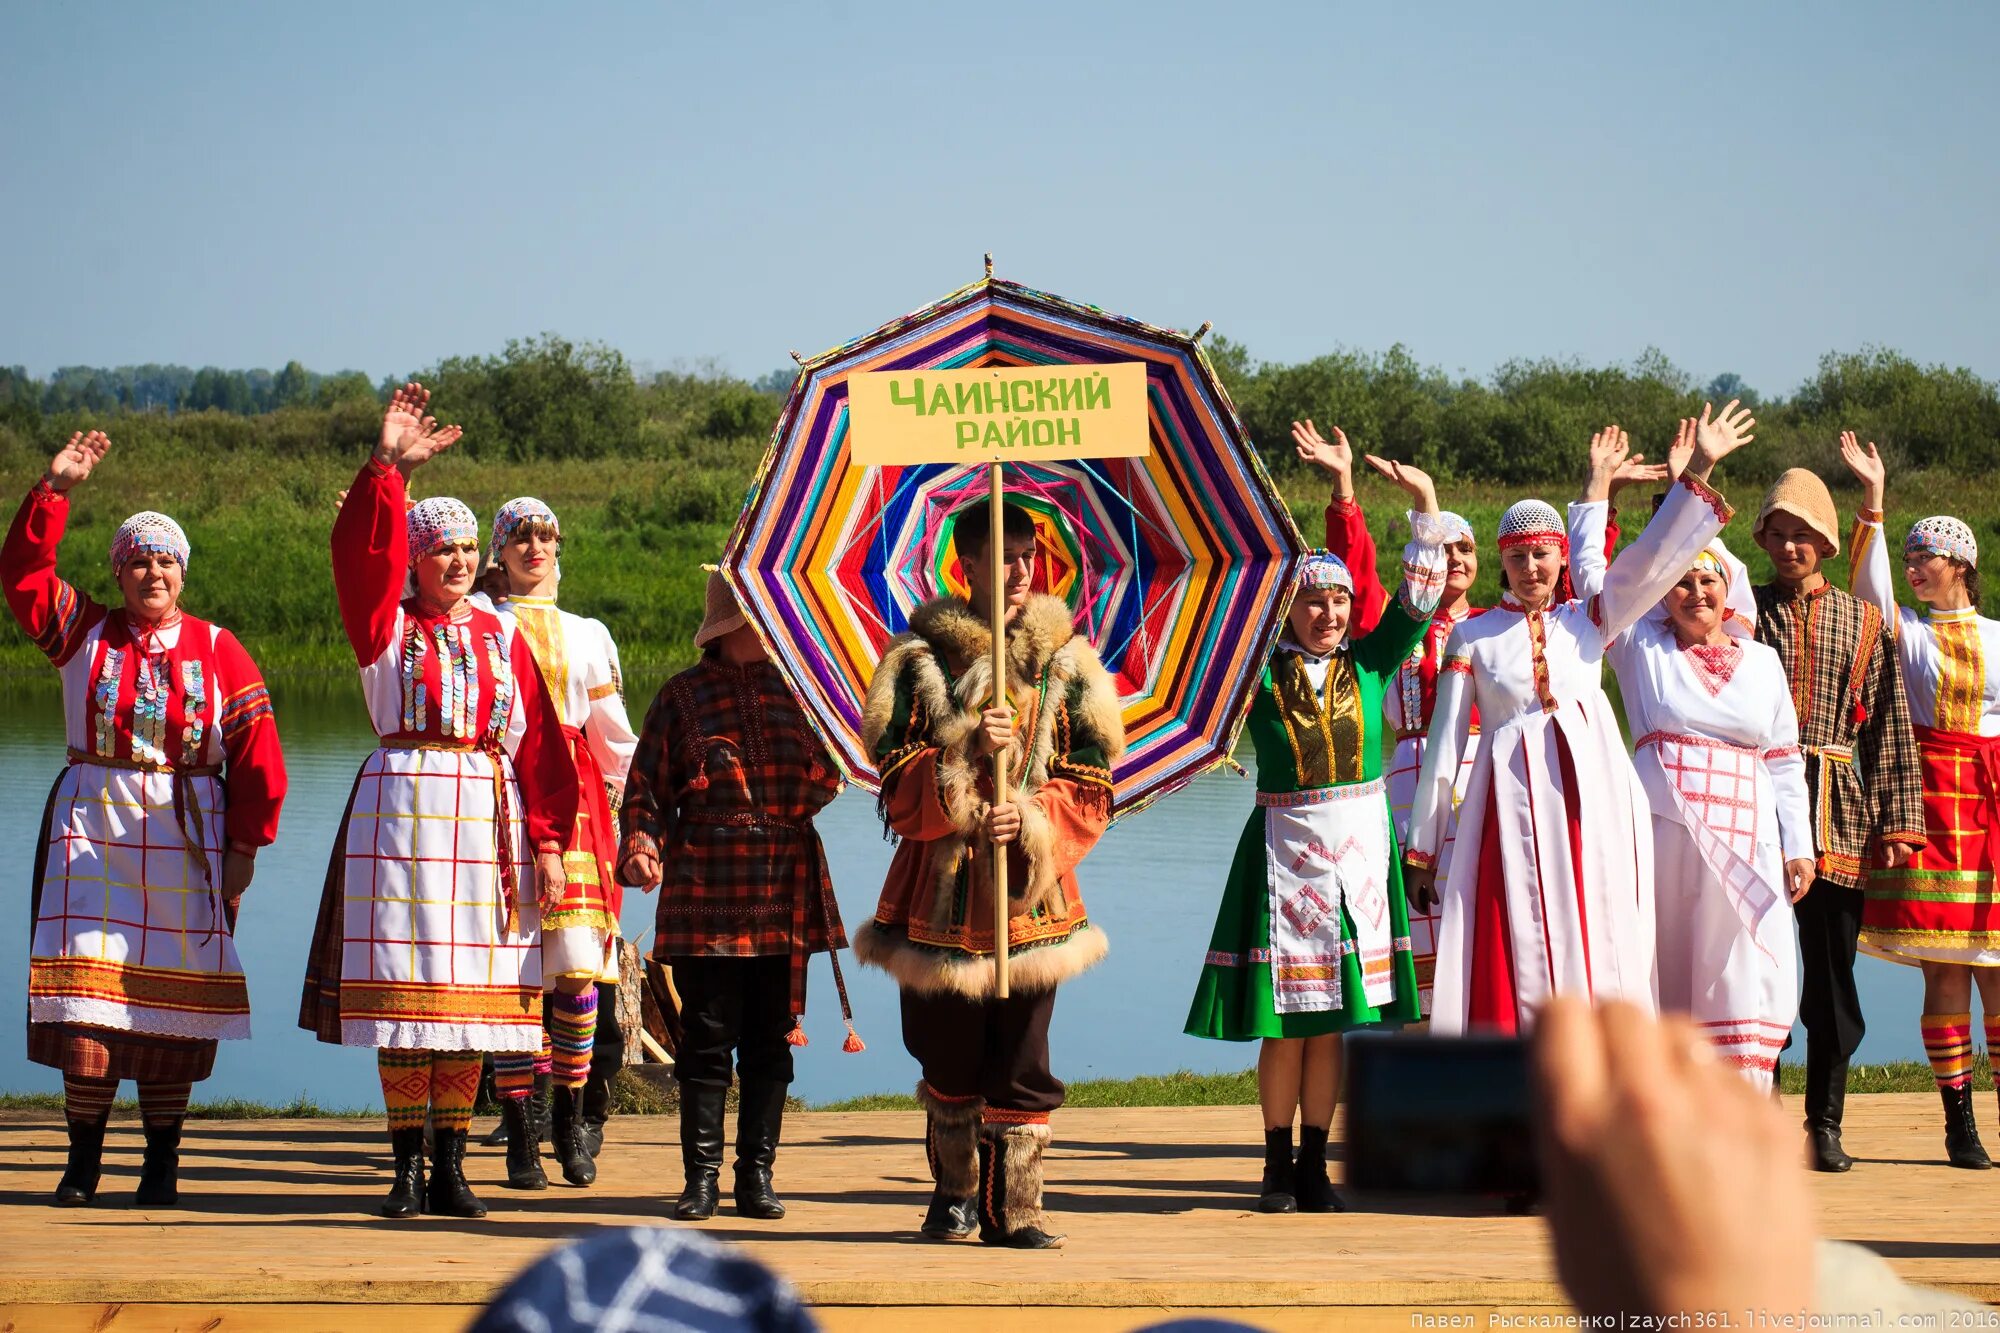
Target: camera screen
1439,1115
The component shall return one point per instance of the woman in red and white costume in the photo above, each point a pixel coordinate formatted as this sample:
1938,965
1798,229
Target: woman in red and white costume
579,665
1716,743
428,946
1939,910
1551,890
1413,693
174,781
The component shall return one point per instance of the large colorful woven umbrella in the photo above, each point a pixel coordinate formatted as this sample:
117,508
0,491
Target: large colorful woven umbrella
1176,564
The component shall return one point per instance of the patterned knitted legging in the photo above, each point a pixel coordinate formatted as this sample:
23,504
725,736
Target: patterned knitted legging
442,1084
567,1040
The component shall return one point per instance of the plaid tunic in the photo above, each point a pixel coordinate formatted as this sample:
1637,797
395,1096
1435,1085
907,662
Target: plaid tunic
723,789
1853,721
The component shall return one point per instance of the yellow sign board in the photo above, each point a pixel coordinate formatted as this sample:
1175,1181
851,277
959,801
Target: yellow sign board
997,414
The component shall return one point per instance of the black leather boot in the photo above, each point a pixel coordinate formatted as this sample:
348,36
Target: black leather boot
566,1136
1826,1102
85,1167
159,1176
596,1107
760,1116
701,1150
951,1144
449,1195
1278,1192
1316,1193
1961,1131
1010,1188
406,1195
524,1155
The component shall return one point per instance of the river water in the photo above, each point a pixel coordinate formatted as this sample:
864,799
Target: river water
1152,884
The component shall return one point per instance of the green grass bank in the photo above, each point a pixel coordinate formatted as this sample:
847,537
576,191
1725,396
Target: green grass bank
637,531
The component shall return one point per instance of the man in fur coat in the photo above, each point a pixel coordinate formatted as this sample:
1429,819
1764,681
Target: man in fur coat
986,1083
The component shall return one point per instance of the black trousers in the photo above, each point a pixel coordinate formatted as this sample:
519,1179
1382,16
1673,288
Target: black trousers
994,1049
1829,919
742,1005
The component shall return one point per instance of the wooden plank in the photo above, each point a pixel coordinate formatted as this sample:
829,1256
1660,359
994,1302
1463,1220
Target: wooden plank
1157,1204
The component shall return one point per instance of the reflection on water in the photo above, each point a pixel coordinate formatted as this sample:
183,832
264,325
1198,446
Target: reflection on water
1152,885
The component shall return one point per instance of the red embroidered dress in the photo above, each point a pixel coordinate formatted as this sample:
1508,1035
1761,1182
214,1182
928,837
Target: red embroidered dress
430,931
1941,905
173,754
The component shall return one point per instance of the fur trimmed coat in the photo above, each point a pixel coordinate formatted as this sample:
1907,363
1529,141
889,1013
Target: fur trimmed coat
933,928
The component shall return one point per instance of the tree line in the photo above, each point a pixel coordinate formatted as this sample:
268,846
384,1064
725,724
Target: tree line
549,397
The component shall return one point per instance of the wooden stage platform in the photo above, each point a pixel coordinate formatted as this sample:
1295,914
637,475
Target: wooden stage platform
276,1230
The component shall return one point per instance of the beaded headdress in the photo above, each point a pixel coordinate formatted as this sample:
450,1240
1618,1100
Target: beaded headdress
440,521
1714,564
1322,570
515,515
1941,534
145,533
1532,523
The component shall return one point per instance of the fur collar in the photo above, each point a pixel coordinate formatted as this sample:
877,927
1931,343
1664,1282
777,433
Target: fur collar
951,628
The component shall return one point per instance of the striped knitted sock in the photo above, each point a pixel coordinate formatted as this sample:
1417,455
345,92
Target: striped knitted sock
1993,1047
1948,1043
164,1103
573,1032
406,1086
543,1058
454,1087
513,1074
87,1101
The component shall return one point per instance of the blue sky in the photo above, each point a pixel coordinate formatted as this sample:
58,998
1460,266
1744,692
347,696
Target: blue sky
1744,186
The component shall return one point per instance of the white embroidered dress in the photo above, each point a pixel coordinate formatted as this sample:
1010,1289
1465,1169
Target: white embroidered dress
1716,744
1576,920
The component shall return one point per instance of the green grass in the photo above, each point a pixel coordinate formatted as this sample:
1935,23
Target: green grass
1240,1089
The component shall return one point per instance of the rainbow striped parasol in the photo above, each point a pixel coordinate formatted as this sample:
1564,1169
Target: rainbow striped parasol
1176,565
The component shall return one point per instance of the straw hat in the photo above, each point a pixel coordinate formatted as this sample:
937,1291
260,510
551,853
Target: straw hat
721,615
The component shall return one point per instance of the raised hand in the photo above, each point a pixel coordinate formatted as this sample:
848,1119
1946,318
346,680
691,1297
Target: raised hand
409,438
1718,435
1335,458
1682,451
1413,479
74,461
1610,449
1635,471
1867,467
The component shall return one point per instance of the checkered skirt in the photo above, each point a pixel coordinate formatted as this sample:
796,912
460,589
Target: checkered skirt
415,948
129,930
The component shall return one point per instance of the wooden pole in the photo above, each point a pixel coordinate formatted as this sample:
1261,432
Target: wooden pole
996,548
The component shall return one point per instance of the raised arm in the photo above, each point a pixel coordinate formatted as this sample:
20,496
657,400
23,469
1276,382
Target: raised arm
1593,523
1867,557
1689,518
1347,534
370,540
1407,619
50,609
